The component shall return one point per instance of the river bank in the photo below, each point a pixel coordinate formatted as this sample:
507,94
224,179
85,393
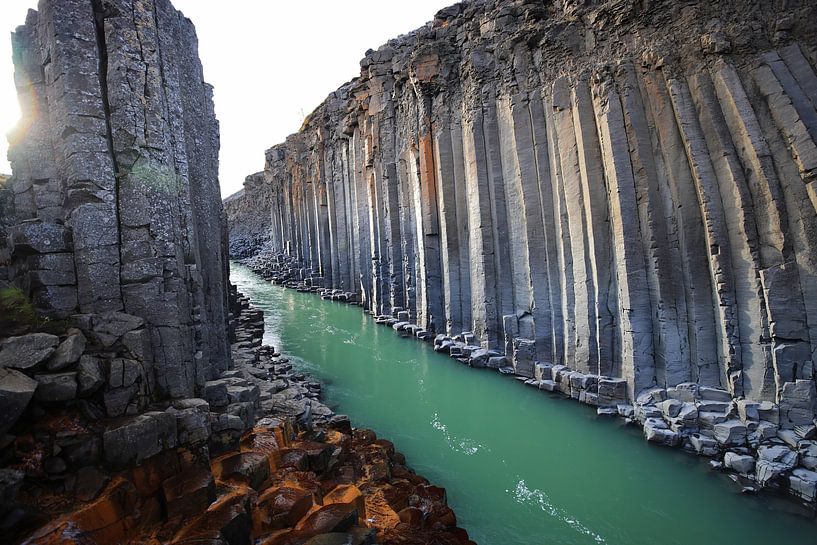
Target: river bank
517,463
258,459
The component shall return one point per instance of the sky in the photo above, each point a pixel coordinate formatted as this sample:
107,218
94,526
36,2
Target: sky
271,63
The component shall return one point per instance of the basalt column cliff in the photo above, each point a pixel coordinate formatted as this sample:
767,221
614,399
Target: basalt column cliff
625,188
116,198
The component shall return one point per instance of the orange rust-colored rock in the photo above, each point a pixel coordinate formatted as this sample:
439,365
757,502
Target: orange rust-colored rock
109,519
267,441
347,494
336,517
412,516
379,513
189,492
251,468
279,508
226,519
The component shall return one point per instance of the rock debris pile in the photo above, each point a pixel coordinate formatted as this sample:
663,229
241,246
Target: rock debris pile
606,198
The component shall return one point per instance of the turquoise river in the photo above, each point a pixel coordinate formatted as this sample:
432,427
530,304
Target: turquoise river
521,467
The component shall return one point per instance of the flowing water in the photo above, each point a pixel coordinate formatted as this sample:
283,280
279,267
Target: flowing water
521,467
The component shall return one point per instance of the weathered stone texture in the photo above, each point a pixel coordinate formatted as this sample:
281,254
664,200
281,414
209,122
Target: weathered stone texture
627,187
116,204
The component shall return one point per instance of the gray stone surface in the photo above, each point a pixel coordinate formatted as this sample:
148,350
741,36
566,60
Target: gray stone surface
117,209
27,351
68,352
56,387
16,390
626,222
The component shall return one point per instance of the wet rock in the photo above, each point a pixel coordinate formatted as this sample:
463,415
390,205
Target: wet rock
68,352
189,493
16,390
27,351
56,387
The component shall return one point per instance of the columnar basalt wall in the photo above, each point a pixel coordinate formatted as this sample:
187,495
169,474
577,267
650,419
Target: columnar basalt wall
625,188
250,233
116,200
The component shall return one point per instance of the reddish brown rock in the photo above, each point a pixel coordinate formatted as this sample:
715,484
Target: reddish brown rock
251,468
189,493
279,508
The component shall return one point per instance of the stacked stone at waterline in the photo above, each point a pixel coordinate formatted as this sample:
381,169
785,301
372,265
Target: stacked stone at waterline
116,198
630,185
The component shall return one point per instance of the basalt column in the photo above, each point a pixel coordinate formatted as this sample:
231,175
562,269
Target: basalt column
626,189
116,198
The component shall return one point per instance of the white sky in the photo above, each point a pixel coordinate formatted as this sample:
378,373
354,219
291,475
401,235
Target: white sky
271,63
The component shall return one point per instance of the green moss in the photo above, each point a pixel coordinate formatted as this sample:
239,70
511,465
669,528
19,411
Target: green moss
17,315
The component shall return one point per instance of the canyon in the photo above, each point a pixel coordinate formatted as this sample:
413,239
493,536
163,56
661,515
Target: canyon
615,201
138,403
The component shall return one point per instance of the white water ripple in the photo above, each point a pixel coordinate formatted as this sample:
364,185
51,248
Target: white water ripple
525,496
466,446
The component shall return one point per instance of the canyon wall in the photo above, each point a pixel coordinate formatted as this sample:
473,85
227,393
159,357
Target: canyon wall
116,203
628,188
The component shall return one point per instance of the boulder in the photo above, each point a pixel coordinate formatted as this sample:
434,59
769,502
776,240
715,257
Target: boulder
479,358
612,391
714,394
336,517
27,351
280,507
748,410
16,390
68,352
132,440
773,461
670,407
807,451
656,431
215,393
189,492
56,387
731,433
703,445
89,375
742,463
803,484
251,468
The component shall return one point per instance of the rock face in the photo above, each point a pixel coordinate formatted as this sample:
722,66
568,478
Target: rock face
628,187
116,205
250,232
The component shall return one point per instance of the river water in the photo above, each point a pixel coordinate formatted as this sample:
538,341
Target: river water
521,467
